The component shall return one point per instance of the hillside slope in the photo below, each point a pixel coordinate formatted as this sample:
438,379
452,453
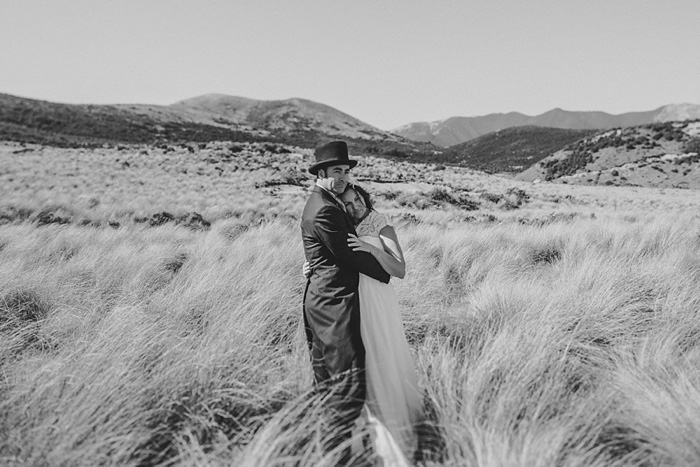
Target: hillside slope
36,121
513,149
288,115
456,130
654,155
206,118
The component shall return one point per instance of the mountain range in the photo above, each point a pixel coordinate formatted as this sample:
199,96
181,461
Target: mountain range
456,130
296,121
205,118
556,146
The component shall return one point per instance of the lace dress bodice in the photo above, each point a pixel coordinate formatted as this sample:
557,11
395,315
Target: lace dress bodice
371,225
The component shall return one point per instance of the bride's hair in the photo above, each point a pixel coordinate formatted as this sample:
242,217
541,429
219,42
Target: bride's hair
362,192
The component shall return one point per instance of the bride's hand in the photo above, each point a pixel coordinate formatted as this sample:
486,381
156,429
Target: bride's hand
306,270
356,244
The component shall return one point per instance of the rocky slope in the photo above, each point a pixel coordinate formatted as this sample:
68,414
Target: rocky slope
664,155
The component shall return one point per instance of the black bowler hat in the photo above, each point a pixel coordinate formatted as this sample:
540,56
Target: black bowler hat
333,153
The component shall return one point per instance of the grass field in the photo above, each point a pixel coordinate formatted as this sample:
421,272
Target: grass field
550,324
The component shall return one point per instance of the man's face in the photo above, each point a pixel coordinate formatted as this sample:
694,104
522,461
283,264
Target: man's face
354,205
335,177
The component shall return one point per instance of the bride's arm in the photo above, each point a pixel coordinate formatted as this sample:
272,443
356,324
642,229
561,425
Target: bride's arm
392,247
390,258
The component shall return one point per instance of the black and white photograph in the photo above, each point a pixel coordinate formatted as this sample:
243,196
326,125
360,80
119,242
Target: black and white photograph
370,233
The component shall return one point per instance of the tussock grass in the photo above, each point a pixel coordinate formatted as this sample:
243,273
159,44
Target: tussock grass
529,360
148,340
567,343
249,183
559,328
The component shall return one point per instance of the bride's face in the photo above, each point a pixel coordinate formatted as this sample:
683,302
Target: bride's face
354,204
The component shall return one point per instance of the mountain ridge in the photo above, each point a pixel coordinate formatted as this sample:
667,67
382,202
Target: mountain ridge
203,118
526,152
292,114
456,130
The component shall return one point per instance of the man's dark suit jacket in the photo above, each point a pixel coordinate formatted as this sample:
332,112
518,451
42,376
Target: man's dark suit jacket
331,302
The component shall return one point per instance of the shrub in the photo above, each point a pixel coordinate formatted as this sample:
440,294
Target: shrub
21,306
491,197
547,255
395,153
441,195
517,195
692,145
389,195
50,216
462,201
10,214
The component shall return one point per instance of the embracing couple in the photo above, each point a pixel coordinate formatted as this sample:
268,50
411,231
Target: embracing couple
353,324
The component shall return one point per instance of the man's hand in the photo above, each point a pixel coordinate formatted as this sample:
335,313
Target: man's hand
358,245
306,270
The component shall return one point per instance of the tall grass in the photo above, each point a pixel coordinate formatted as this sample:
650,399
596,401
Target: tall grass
570,343
564,342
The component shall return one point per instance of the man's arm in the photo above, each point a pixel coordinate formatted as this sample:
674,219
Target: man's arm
390,255
329,225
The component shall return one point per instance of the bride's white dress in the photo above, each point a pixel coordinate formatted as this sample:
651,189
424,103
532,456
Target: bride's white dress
392,388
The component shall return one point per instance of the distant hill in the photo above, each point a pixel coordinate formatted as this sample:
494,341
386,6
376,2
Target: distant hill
456,130
288,115
205,118
512,149
652,155
36,121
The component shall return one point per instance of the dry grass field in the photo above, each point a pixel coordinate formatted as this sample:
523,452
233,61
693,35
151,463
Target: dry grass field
150,300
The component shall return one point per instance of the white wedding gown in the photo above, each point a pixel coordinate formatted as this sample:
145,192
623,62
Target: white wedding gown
392,388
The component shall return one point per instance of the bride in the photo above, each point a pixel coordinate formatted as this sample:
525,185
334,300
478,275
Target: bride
392,389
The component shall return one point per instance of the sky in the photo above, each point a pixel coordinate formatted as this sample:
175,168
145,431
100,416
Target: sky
385,62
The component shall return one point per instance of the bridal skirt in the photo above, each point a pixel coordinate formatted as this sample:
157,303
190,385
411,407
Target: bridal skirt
392,388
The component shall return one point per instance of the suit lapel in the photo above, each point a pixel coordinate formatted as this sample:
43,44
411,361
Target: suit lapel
333,200
329,197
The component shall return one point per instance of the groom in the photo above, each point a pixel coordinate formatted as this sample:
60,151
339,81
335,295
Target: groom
331,301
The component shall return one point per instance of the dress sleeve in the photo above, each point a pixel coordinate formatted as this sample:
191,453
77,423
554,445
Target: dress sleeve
372,225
